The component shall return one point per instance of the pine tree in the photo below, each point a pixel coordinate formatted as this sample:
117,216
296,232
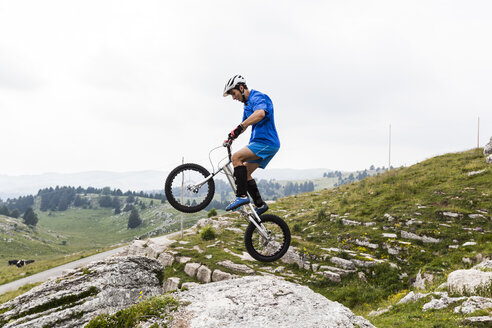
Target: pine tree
134,219
4,210
15,213
30,218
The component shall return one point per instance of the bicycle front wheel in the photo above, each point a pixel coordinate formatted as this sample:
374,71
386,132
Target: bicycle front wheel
273,248
186,190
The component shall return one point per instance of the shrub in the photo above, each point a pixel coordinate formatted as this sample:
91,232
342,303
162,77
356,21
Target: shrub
322,214
208,233
134,219
212,212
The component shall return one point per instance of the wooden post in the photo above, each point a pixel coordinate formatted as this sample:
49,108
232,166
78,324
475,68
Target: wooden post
478,133
389,157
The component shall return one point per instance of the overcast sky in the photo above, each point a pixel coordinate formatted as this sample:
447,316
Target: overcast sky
136,85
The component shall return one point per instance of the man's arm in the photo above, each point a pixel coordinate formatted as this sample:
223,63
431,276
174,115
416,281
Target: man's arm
254,118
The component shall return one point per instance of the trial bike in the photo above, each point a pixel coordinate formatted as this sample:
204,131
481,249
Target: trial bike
190,188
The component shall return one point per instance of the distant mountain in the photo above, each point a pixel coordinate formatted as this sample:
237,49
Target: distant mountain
15,186
289,174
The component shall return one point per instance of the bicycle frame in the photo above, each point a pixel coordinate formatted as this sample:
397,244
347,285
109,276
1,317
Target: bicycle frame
229,173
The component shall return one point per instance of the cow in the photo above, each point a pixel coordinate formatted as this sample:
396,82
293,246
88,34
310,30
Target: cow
20,263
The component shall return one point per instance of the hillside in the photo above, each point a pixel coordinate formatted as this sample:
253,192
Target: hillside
364,244
64,236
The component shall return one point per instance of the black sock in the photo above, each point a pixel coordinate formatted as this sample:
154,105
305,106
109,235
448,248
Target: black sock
254,193
241,175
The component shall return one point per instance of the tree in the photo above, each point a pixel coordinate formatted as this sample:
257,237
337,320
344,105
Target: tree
4,210
105,201
15,213
130,199
30,218
116,202
134,219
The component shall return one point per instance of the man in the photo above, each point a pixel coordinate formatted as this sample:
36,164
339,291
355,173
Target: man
263,144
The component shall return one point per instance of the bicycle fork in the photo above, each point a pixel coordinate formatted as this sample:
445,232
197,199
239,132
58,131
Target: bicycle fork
252,216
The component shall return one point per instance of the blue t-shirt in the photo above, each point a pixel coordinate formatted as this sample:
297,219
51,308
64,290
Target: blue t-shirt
264,131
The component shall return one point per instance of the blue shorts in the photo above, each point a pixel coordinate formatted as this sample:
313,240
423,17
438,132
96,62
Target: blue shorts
264,152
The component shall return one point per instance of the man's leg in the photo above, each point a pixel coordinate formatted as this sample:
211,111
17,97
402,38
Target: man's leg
252,187
241,175
261,206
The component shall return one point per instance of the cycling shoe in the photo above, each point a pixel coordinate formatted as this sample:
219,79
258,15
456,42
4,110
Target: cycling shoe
262,209
238,202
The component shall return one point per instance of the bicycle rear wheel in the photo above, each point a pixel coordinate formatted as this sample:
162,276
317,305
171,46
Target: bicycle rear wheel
268,250
182,189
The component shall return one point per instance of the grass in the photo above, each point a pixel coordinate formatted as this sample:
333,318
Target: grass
13,294
413,200
62,237
160,307
12,273
416,199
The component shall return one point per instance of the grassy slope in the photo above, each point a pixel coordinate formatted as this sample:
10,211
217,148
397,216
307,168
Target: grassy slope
421,192
62,237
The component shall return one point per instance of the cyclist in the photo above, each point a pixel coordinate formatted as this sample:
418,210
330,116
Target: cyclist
263,144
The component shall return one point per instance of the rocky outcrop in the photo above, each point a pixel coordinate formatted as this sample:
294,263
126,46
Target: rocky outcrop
470,281
73,299
487,150
261,302
240,268
473,304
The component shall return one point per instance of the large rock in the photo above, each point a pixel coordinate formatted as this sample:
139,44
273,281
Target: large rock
166,259
425,239
171,284
487,150
204,274
343,263
241,268
191,269
473,304
218,275
73,299
441,303
261,302
292,256
468,281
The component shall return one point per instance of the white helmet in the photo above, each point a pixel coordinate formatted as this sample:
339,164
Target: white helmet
233,83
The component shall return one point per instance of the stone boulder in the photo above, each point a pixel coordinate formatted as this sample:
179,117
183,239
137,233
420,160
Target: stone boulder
257,301
204,274
292,256
171,284
74,299
468,281
487,150
218,275
240,268
473,304
191,269
343,263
